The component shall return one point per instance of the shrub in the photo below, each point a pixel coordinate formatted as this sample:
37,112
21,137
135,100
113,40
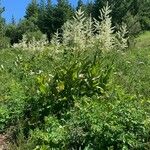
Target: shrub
95,124
32,41
71,78
12,105
82,33
4,42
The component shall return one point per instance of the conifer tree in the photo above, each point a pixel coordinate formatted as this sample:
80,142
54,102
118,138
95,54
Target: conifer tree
32,9
42,15
49,4
4,41
42,6
90,8
144,15
13,20
2,21
62,12
45,17
136,11
49,28
79,4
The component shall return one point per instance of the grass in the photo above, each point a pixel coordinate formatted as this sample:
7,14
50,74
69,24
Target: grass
143,40
90,99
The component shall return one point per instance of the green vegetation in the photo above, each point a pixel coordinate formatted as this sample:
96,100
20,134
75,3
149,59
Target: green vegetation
84,89
77,103
143,40
47,18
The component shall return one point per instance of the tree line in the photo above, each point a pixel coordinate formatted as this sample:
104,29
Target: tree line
46,18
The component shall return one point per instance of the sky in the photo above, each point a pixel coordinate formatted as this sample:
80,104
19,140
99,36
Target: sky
17,8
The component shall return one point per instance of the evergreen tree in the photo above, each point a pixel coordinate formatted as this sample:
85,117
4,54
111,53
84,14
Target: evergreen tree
42,15
62,12
12,33
45,18
30,23
79,4
4,41
49,4
51,17
129,11
117,6
2,21
32,10
144,15
42,6
13,20
90,8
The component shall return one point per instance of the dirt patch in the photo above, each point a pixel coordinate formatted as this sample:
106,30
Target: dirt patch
3,142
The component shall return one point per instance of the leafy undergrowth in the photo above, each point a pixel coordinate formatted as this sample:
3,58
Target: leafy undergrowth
98,101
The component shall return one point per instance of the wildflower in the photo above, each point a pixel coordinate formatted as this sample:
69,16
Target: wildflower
105,30
82,33
33,44
2,67
128,62
81,76
121,38
141,63
31,72
40,71
16,64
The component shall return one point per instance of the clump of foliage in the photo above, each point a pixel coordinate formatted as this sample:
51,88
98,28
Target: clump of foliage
94,124
83,33
32,41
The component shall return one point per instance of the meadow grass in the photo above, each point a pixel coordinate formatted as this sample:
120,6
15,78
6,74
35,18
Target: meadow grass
143,40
